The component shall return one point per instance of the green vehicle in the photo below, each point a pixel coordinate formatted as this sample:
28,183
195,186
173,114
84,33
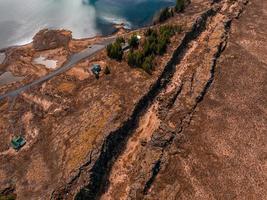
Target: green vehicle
18,142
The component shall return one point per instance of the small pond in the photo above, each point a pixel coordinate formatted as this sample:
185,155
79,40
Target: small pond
50,64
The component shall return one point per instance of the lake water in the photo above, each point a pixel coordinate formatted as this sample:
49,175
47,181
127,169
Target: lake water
21,19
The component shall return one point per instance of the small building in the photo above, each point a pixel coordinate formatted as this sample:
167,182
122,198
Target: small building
125,46
96,69
18,142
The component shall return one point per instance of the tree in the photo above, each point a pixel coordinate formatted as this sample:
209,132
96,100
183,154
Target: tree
150,45
148,64
133,41
165,14
120,40
139,58
167,31
148,32
131,58
115,51
180,4
135,58
162,46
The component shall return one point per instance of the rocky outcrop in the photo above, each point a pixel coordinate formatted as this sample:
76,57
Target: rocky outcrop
51,39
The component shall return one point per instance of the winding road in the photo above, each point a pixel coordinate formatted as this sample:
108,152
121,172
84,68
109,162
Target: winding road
74,59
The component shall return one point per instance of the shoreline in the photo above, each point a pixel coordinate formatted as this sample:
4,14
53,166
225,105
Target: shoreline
117,28
5,49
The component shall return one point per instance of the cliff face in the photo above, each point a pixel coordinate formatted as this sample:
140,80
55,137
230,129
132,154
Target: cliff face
195,129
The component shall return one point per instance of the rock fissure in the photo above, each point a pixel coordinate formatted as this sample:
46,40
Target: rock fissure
112,148
214,39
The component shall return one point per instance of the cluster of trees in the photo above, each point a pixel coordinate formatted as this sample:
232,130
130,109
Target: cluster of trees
115,50
155,43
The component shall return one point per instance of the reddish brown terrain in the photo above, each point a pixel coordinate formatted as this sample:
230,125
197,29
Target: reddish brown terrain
194,129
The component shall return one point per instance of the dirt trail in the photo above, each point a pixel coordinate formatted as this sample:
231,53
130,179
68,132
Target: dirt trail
195,66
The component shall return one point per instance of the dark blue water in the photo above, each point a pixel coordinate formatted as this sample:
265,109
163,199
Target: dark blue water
21,19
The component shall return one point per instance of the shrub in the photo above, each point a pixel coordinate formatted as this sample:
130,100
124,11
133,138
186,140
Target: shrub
180,4
133,41
107,70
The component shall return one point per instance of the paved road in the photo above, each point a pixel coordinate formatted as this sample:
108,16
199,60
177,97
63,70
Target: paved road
75,58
